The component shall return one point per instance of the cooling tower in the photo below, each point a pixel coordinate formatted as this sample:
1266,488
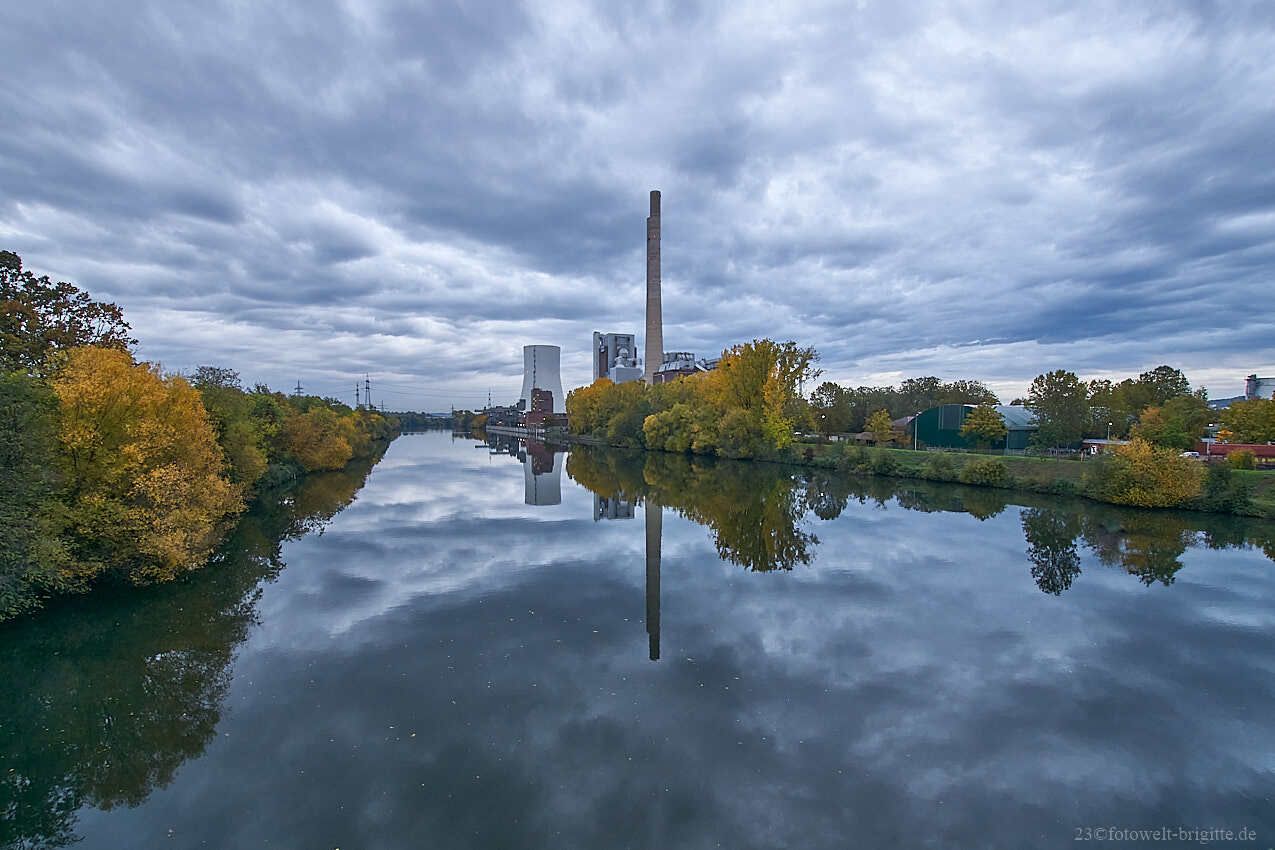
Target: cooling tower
654,308
540,371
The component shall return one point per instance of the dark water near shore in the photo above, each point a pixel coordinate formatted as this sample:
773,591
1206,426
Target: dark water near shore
606,650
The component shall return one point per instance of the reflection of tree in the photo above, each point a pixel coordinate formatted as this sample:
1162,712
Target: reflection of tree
754,510
1051,547
106,696
826,494
1147,544
983,502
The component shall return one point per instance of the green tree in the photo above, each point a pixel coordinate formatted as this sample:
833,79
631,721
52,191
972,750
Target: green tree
1176,424
1224,490
39,318
31,548
831,406
964,392
241,434
1060,401
1251,421
1163,383
985,426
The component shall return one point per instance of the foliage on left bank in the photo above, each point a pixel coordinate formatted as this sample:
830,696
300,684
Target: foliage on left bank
110,467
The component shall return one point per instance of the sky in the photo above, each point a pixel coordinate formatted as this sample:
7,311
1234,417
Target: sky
314,191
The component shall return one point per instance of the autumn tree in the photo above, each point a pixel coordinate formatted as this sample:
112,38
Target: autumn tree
985,426
762,378
317,439
881,427
1061,404
39,318
145,477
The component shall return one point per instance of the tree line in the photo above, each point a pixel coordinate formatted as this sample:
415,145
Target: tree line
111,467
1158,406
839,410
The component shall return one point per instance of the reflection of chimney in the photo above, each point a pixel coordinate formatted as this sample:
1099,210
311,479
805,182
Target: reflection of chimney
654,310
654,532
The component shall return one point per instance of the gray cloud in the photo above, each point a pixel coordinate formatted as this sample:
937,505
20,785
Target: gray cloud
318,191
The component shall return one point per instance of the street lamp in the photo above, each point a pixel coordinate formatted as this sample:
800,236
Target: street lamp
1108,430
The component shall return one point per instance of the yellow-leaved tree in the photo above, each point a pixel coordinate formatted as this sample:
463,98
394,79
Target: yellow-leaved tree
318,439
1145,475
146,479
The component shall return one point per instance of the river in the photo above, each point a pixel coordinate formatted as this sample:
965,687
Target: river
509,647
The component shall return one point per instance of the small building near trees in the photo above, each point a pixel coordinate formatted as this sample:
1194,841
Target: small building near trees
940,427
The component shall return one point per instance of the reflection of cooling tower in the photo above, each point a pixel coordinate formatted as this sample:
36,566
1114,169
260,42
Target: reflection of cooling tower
542,488
540,371
654,309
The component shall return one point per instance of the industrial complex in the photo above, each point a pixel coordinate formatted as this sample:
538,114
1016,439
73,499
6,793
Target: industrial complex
615,357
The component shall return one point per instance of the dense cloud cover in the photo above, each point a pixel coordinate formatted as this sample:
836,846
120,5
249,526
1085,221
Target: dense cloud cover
417,190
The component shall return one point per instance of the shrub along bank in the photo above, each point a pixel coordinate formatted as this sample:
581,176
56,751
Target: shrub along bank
1139,475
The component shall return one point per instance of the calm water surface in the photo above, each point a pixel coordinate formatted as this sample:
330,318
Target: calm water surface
604,650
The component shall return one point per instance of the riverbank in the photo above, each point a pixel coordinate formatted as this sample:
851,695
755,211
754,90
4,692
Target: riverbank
1053,476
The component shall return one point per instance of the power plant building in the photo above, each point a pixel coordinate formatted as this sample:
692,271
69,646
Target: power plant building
615,357
542,381
679,364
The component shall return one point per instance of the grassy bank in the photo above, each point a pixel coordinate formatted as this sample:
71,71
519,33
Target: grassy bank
1012,472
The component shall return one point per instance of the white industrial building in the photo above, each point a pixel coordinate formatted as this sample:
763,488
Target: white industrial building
615,357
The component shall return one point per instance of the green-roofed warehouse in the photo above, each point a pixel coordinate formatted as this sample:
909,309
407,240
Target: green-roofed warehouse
941,426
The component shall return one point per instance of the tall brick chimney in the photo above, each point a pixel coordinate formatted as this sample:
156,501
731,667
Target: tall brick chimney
654,309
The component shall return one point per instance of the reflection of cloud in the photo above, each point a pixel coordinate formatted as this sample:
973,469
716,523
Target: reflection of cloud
429,677
1099,184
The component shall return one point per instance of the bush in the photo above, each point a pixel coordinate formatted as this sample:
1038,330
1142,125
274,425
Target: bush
854,458
1142,474
939,467
1223,490
1062,487
883,463
1242,459
986,472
